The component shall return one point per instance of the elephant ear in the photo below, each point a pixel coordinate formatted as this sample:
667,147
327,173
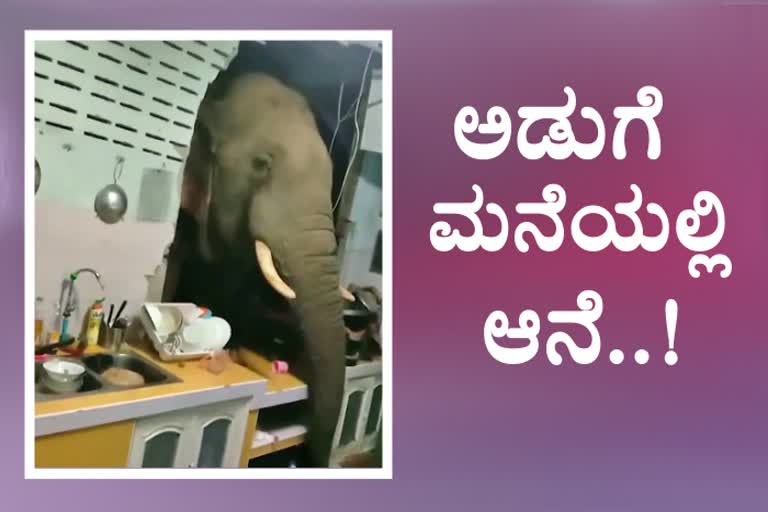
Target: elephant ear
198,183
204,216
208,118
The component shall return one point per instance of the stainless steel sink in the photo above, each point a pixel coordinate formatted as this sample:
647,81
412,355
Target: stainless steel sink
152,374
96,365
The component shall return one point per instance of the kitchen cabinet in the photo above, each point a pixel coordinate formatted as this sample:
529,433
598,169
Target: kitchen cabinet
210,436
107,446
360,420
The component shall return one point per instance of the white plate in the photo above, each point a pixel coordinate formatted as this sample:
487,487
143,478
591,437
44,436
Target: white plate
206,334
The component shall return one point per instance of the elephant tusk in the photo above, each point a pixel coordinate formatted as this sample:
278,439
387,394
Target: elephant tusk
346,294
267,265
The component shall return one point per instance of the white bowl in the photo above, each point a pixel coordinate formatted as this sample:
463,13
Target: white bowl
61,370
62,387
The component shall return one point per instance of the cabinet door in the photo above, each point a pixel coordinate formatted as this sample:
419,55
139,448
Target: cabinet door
220,433
161,442
353,410
360,418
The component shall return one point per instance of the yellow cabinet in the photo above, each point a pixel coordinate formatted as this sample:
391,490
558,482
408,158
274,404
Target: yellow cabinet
105,446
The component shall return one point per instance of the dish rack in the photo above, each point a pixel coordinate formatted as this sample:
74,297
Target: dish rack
161,340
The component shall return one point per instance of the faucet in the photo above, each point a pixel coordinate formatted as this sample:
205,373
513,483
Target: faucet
69,305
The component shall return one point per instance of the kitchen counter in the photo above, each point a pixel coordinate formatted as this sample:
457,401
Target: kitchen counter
249,376
286,388
281,388
197,387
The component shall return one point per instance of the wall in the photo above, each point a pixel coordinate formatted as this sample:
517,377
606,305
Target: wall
74,169
365,214
371,139
99,100
96,101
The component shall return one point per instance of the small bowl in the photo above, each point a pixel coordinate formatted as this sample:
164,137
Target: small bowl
62,387
64,370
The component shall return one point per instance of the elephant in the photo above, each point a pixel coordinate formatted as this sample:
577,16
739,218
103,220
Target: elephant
257,202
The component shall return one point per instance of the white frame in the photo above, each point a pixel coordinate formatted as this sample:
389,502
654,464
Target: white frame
30,37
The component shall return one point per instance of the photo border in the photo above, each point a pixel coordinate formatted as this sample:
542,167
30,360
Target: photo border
30,471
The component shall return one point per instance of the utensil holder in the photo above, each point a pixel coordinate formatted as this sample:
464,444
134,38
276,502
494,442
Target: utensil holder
111,338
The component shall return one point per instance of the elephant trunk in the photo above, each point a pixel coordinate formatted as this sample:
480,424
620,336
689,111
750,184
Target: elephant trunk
308,265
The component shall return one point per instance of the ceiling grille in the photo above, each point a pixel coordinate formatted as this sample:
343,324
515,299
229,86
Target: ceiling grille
142,95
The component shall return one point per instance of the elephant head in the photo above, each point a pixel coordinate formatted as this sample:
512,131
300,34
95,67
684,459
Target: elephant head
267,176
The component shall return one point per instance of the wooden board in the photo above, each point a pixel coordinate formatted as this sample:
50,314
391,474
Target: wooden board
250,430
283,438
277,382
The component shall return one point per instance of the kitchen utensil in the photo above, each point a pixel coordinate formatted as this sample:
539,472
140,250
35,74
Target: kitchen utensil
112,338
173,342
171,321
53,347
62,387
161,321
111,202
63,370
109,318
120,311
206,334
357,319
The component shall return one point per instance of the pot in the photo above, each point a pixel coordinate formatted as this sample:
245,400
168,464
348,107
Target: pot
111,203
357,319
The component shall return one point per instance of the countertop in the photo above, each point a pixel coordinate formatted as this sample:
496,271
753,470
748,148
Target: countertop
197,387
249,376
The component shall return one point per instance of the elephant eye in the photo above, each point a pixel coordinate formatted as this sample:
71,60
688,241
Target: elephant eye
261,165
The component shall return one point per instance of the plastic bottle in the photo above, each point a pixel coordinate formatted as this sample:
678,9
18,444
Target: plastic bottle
39,323
95,316
54,331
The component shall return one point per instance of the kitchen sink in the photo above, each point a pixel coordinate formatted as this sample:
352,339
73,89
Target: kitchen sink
93,382
152,374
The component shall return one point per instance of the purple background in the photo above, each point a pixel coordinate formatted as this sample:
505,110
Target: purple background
471,433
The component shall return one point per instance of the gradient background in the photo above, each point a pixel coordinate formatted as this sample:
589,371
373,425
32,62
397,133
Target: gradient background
471,433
